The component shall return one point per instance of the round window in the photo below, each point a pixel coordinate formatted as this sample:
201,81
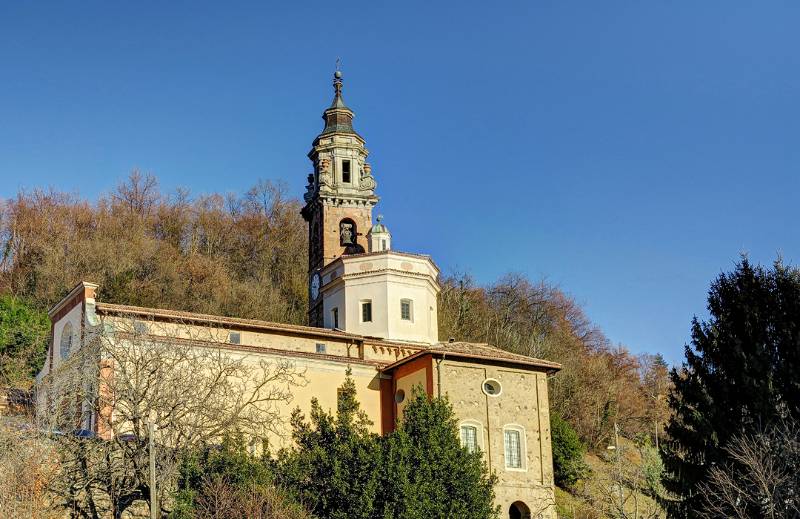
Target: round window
492,387
66,340
399,396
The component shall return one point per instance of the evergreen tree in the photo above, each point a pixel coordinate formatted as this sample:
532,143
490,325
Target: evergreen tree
427,473
568,449
335,469
24,331
742,372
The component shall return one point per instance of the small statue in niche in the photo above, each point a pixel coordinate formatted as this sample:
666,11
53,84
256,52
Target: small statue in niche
325,177
309,194
367,181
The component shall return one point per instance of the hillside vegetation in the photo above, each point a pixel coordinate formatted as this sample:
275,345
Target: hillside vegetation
246,255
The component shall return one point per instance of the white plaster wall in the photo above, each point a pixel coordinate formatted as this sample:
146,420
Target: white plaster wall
385,279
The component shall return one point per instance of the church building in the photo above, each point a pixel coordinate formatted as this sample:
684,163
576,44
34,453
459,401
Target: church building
371,309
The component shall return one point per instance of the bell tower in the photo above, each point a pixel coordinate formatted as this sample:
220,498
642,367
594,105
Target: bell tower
339,196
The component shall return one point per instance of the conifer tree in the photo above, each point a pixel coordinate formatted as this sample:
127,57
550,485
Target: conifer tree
427,473
742,373
335,468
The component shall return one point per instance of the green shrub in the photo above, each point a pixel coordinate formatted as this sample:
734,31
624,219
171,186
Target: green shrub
568,450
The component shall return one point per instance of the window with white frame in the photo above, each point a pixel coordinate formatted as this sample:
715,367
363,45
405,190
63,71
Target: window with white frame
366,311
469,437
405,309
514,440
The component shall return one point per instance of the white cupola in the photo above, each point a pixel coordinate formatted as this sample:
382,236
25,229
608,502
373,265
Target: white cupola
379,237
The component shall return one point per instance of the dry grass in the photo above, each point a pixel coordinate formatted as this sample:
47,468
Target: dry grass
26,469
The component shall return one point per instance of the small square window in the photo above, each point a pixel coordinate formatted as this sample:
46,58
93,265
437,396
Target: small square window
235,338
320,348
346,171
366,312
405,310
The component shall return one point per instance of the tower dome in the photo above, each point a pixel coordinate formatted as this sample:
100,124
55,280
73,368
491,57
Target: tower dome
379,237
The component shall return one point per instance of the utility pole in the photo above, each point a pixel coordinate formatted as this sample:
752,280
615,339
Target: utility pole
151,430
619,468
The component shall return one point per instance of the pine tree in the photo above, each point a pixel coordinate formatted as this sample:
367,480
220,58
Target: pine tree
335,468
427,473
742,372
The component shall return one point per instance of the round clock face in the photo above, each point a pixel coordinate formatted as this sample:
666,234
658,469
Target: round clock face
315,286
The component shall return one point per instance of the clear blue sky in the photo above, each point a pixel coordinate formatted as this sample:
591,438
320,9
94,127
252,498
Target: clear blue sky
627,151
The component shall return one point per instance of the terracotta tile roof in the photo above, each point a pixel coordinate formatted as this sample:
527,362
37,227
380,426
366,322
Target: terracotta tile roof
232,322
479,351
471,350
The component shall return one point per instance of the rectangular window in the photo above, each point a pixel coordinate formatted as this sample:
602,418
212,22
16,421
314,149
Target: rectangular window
320,348
366,312
235,338
513,449
335,317
346,171
140,327
469,437
383,244
405,309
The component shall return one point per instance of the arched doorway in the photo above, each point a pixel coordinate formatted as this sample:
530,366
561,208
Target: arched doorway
519,510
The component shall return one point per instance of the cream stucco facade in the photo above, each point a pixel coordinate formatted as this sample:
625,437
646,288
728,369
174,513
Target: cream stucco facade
499,398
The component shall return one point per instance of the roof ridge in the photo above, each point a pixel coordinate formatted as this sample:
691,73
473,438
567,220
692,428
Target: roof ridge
166,312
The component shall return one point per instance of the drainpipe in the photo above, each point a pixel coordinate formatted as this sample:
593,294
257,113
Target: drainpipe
439,375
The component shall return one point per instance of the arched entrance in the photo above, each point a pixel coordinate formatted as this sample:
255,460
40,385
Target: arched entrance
519,510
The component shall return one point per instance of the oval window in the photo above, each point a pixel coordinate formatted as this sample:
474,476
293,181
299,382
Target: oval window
492,387
66,340
399,396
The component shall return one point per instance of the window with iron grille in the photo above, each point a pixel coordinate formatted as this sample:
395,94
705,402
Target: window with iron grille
320,348
405,309
469,437
513,449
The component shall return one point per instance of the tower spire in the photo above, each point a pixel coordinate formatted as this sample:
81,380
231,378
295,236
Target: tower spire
338,101
338,117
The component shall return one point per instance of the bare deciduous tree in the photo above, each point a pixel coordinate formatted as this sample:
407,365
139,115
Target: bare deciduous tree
129,374
622,492
761,478
26,471
220,500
